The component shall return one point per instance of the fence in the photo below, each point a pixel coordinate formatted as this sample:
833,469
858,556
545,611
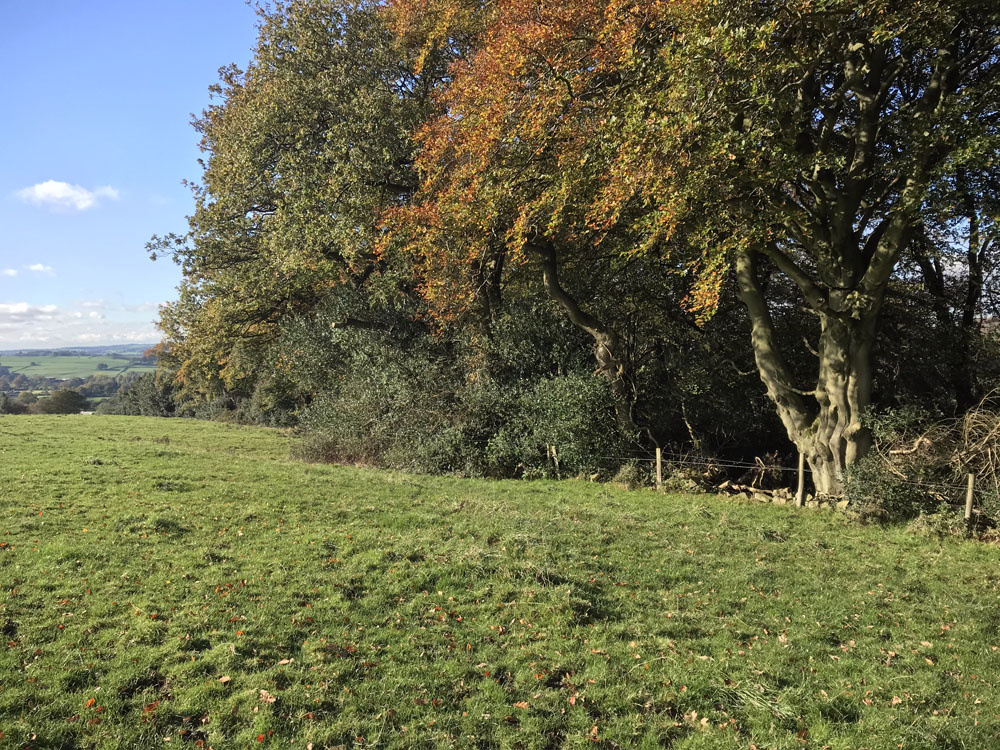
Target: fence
687,460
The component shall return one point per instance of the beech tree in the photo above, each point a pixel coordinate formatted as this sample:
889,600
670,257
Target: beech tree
513,168
854,115
797,139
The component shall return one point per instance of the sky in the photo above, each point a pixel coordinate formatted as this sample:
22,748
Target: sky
96,99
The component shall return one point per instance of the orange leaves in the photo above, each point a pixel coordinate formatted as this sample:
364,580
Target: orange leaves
559,124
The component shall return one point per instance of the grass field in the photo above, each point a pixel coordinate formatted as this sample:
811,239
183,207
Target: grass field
171,582
51,366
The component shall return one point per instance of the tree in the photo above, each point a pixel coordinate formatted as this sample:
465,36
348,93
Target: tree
27,398
512,170
62,402
149,395
798,142
861,114
303,150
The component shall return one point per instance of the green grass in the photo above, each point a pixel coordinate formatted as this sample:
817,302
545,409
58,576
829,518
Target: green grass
186,580
63,368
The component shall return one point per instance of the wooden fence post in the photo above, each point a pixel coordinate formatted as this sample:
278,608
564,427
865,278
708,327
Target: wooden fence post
659,468
555,460
968,499
800,494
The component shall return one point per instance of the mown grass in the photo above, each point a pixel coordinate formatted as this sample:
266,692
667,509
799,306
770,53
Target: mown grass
63,368
170,582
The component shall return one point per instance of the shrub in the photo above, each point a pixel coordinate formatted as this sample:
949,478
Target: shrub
149,395
61,402
946,520
877,495
919,462
573,413
632,475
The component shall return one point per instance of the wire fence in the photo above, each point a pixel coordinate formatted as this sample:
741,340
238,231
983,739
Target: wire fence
676,460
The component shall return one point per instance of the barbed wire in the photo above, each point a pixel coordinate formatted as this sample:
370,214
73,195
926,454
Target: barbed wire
686,459
679,459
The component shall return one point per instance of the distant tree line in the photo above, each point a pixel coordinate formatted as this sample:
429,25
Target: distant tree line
62,401
96,385
448,236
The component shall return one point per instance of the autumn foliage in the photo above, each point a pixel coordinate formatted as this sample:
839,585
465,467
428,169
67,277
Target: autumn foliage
799,169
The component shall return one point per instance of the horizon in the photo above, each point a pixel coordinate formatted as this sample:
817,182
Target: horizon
104,94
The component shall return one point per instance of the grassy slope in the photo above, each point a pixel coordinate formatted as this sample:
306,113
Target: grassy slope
145,559
50,366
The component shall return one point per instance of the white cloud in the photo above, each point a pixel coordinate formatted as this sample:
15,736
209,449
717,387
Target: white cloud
62,195
8,272
13,314
41,268
23,324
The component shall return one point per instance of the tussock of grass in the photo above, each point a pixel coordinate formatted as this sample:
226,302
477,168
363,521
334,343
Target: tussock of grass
206,589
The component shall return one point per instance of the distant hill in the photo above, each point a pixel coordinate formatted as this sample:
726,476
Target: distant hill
124,350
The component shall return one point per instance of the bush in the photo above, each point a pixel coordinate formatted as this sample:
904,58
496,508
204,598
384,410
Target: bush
574,414
150,395
918,462
631,476
946,520
877,495
61,402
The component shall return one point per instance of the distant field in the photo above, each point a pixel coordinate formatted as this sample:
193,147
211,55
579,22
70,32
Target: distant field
51,366
178,583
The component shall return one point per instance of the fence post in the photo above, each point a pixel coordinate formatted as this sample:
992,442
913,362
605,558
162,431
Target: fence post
800,493
555,460
659,468
968,499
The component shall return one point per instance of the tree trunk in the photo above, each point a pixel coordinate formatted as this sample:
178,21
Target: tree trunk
837,437
825,422
608,349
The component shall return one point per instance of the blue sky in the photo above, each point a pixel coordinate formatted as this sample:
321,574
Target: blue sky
96,99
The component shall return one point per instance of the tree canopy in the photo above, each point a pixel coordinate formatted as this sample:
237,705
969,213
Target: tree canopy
688,190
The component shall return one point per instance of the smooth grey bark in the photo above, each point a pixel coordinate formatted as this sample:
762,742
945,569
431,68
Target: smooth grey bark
845,292
842,221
